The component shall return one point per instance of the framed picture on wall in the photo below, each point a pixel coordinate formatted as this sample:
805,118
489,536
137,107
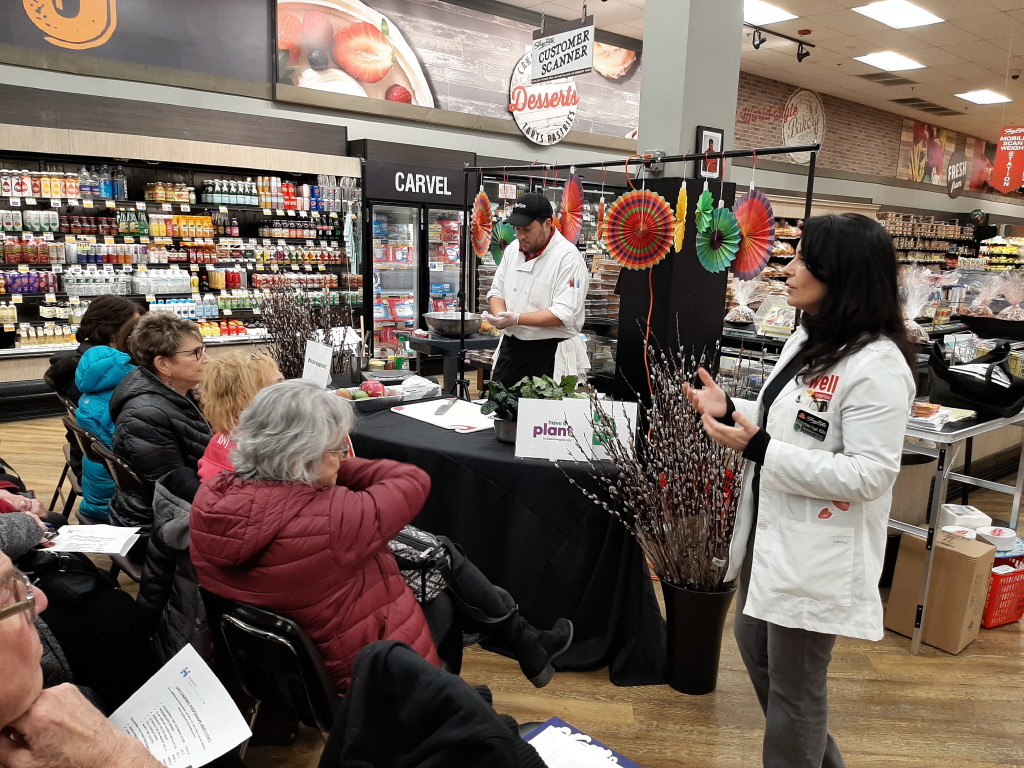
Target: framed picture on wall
709,142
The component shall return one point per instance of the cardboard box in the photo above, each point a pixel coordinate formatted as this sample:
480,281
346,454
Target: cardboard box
956,597
962,516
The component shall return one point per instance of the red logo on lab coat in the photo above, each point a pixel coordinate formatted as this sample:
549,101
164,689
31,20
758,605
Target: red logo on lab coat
823,387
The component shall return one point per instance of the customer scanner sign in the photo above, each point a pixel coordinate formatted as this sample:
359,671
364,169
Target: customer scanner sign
563,50
546,111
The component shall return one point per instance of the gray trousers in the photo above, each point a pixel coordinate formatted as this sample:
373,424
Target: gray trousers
789,670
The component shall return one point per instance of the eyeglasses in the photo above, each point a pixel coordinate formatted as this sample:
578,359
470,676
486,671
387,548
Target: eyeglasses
342,452
24,597
198,352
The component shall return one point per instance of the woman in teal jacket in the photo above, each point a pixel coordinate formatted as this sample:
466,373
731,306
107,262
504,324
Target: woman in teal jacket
99,372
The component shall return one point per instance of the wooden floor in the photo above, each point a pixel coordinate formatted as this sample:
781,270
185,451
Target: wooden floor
888,708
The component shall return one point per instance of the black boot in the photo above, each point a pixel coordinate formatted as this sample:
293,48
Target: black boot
534,649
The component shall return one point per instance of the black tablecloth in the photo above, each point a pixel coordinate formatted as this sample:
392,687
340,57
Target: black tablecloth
531,532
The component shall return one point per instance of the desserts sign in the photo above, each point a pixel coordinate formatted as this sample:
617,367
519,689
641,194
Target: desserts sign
544,111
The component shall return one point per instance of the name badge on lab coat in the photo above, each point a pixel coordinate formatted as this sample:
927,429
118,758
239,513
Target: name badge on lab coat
811,425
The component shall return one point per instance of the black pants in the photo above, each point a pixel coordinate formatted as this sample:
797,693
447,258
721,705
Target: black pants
518,358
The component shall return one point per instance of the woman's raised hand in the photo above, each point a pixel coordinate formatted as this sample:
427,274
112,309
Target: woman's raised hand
710,400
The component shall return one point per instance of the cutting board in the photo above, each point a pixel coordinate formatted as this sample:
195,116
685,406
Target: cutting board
462,417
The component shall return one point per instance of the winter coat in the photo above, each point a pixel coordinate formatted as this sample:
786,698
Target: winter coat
825,492
217,457
317,554
100,370
169,596
60,376
156,430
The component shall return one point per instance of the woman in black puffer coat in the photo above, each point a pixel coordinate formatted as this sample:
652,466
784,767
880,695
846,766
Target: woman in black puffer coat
158,426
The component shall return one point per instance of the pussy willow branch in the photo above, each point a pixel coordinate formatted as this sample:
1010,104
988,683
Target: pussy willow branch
293,318
674,489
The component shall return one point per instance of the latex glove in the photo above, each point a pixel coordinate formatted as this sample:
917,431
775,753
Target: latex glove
502,319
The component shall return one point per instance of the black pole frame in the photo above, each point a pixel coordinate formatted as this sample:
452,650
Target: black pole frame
646,160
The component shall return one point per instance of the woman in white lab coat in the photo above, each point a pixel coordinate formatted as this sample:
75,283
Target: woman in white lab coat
823,442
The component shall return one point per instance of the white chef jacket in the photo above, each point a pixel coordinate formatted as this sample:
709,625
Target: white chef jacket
556,280
824,504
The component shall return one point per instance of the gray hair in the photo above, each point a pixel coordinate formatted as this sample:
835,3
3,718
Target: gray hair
286,430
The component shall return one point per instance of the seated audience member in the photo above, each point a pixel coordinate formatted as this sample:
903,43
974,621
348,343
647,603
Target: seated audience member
158,426
302,528
55,727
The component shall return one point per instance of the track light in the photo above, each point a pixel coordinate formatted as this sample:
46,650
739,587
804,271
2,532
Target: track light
758,39
801,52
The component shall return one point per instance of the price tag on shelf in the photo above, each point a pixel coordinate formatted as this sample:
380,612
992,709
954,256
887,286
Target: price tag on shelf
30,201
273,267
323,243
291,213
282,243
48,236
143,268
73,201
111,204
9,327
88,238
150,298
16,298
57,268
334,244
108,269
295,267
74,300
185,208
87,203
195,296
320,267
14,201
314,214
50,297
333,214
128,239
174,267
140,206
166,207
23,267
55,202
193,267
143,239
303,214
108,239
310,244
278,212
259,266
309,267
225,311
127,267
222,208
267,212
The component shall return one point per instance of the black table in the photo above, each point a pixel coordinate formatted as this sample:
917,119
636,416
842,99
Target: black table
449,349
533,533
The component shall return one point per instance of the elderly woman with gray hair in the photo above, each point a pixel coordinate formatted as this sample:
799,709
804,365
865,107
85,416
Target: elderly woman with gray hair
302,528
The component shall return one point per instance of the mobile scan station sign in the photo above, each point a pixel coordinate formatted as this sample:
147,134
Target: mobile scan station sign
1008,173
545,111
563,50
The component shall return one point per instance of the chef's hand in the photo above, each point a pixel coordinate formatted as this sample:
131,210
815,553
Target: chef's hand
731,437
502,320
711,400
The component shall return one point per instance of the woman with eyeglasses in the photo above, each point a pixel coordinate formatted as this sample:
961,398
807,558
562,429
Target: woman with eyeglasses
301,527
158,425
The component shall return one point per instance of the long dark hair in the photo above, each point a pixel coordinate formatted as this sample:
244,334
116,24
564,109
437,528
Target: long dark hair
854,257
109,320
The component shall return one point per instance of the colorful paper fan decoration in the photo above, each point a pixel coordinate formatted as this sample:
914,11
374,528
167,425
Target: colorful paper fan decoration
572,208
501,236
757,234
717,245
481,224
705,205
638,229
600,219
680,227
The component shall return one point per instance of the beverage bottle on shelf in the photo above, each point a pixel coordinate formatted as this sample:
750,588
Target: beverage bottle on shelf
106,184
84,183
234,228
120,184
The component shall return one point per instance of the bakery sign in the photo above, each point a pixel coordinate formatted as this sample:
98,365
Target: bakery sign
544,111
804,123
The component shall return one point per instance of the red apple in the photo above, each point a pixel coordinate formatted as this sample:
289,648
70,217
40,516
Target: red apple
373,388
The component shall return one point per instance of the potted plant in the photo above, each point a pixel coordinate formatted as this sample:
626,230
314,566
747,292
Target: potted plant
503,401
676,492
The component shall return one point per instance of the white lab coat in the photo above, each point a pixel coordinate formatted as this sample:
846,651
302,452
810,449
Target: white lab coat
824,505
556,280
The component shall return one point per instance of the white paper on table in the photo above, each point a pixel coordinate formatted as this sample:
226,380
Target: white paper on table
183,715
317,365
95,539
462,417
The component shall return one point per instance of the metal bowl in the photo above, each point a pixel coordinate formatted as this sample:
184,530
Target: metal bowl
447,323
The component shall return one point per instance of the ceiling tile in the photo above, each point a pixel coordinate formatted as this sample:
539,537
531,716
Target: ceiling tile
804,8
979,50
955,9
965,71
942,34
1006,5
852,23
991,26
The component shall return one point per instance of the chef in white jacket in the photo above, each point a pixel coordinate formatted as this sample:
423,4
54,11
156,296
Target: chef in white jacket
537,298
823,442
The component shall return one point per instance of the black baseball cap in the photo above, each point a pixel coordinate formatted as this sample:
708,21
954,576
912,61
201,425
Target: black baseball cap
528,208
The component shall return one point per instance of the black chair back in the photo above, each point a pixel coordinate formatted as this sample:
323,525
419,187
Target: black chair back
275,660
124,476
85,439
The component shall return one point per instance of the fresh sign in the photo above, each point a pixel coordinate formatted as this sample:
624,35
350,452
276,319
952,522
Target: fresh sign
957,173
563,50
544,112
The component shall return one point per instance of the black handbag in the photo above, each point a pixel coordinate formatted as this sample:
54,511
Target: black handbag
987,397
422,560
64,575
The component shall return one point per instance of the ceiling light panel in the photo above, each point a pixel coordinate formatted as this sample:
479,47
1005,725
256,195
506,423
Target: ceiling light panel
984,97
759,12
898,14
890,61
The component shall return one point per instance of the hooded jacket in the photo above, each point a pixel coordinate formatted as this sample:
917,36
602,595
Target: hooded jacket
100,370
156,430
317,554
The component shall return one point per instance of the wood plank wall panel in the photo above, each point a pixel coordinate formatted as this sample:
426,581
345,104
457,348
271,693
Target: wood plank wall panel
53,109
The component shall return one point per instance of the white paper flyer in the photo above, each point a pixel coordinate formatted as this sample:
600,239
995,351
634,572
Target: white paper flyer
183,714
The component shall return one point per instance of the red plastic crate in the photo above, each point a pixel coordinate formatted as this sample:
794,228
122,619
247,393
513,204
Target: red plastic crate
1005,602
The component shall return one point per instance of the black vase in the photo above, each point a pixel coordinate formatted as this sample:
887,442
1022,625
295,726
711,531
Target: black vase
694,622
